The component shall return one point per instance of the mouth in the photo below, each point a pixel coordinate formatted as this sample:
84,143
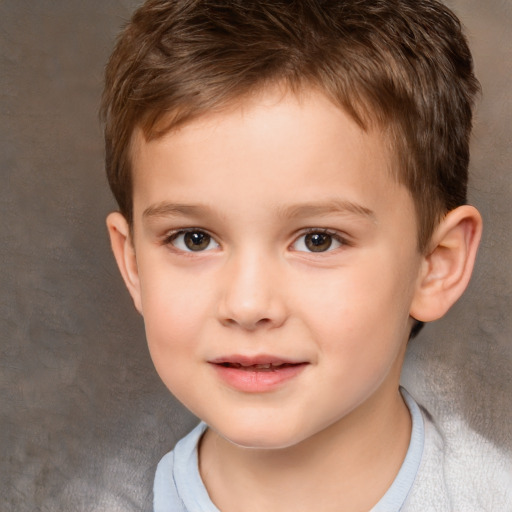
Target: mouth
257,374
261,362
259,367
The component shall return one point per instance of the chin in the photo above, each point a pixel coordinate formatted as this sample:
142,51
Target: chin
262,443
262,438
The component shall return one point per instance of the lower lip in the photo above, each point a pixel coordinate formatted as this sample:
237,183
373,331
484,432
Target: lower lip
257,381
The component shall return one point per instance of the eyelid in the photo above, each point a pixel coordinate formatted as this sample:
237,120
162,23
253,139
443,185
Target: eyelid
338,236
171,236
341,238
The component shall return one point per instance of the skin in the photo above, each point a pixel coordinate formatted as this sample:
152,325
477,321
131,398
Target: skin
257,179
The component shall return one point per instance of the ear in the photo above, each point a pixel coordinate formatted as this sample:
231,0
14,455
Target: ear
446,269
124,252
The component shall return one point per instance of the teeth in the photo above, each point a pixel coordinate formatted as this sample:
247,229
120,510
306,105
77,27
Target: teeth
261,366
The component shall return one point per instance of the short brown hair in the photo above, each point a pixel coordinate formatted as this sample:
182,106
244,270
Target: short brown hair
403,65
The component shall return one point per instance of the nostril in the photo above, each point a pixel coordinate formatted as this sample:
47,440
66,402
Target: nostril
248,324
251,309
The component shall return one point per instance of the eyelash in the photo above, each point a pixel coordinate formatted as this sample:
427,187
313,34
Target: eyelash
172,236
339,238
334,235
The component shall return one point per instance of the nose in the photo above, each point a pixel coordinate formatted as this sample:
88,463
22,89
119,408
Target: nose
252,294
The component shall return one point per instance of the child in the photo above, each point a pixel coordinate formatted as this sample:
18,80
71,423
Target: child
291,178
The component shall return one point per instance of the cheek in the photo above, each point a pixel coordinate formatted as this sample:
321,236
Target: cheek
172,322
174,312
357,304
170,297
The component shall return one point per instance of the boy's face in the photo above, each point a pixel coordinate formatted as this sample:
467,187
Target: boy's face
274,234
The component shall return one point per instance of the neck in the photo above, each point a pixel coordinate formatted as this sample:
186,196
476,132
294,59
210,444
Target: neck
347,466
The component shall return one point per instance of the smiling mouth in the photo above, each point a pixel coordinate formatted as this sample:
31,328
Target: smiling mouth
257,374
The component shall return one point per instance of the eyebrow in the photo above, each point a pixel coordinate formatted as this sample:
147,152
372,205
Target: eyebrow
166,209
330,207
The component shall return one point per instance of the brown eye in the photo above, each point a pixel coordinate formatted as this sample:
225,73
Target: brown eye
318,242
197,241
192,241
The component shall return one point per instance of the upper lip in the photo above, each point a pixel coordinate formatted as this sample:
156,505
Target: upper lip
254,360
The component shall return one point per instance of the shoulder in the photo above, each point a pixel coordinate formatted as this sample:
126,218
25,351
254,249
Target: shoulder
176,473
461,470
165,493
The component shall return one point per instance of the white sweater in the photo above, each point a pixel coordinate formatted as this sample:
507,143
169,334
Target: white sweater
452,469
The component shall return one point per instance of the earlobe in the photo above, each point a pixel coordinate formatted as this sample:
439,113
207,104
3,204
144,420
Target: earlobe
124,253
446,269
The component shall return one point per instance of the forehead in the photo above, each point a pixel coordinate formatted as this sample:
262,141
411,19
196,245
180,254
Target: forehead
271,146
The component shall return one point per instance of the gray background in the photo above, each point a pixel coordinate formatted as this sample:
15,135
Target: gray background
83,416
